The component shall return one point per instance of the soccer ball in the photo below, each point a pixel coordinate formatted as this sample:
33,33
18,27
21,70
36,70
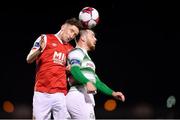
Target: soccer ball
89,17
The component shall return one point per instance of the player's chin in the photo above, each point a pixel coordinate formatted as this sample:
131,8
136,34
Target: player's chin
92,48
68,40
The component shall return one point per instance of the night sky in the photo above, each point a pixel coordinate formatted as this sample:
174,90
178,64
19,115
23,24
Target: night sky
137,52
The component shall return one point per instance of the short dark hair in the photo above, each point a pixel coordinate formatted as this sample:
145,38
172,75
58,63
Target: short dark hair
74,21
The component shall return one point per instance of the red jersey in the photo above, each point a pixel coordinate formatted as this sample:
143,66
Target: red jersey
51,66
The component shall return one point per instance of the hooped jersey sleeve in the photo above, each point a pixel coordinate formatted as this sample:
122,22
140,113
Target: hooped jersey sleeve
75,57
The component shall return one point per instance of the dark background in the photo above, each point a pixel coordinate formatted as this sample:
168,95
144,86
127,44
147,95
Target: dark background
137,53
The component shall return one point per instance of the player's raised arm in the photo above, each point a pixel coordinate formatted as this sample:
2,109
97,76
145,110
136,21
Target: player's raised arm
37,49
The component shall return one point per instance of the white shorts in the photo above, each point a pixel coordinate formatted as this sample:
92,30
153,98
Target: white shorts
44,104
80,105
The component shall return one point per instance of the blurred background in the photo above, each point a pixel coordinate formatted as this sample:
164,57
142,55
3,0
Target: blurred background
137,53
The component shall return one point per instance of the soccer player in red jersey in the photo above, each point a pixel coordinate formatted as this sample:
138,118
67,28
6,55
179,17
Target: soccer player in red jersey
50,53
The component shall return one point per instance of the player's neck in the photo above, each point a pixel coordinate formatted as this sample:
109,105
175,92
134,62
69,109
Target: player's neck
59,36
83,46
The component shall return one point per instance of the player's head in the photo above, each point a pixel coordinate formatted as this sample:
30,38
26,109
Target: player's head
88,38
70,29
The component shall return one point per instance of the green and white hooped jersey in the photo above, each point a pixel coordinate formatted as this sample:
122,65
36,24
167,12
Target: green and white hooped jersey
79,57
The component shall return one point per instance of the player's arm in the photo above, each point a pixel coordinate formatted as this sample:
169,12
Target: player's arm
108,91
78,76
37,49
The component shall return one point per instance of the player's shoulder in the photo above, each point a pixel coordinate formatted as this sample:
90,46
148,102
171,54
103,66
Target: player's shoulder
50,36
76,52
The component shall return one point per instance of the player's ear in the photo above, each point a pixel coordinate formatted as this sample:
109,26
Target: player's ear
63,26
83,38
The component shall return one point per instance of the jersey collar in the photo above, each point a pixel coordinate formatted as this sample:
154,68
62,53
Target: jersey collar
84,50
58,37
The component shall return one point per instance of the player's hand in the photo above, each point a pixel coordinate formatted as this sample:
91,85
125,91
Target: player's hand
90,87
42,43
119,96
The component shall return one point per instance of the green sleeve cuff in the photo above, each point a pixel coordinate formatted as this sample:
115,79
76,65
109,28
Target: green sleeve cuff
103,87
77,75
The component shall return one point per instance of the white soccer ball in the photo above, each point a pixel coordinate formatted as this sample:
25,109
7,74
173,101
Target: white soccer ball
89,17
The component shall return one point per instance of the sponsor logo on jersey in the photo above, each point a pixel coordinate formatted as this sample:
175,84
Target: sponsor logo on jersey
54,44
59,58
90,65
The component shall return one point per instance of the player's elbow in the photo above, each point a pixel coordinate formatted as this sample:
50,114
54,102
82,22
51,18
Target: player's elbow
28,60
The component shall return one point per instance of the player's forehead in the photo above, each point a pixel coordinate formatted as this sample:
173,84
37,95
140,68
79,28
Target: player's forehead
91,32
73,28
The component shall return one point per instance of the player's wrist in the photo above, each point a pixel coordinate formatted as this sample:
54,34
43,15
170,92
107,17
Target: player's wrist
113,93
88,82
